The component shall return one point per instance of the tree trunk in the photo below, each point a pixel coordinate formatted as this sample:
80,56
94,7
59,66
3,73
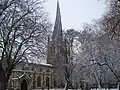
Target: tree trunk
66,86
3,80
3,85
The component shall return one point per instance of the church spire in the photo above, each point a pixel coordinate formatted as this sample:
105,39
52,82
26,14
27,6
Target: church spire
57,32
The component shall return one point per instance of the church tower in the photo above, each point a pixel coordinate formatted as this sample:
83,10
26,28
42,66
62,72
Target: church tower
55,44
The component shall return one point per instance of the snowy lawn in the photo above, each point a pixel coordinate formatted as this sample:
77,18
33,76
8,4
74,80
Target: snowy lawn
56,89
105,89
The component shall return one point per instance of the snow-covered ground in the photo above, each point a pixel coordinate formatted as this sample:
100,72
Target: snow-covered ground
106,89
77,89
56,89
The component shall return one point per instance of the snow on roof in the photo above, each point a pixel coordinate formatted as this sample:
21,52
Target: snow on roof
42,64
46,64
14,79
37,64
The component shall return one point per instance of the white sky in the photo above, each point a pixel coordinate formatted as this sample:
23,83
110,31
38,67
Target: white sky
75,12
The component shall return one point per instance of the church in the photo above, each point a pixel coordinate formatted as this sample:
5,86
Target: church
50,75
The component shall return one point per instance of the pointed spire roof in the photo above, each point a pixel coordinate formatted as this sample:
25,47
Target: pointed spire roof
57,32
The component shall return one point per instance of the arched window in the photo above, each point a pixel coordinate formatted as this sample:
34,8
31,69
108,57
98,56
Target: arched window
51,50
48,70
62,84
47,81
39,81
55,82
41,70
54,49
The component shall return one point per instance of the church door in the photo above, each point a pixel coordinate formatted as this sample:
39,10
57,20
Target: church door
24,85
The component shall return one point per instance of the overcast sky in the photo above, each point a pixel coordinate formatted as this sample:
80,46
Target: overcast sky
75,12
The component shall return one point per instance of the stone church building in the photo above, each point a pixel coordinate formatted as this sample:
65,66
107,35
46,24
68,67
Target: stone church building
36,76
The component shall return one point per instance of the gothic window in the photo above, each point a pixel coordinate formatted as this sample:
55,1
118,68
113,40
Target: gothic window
54,49
40,69
51,50
47,81
62,84
55,82
32,68
13,74
13,83
48,70
39,81
59,83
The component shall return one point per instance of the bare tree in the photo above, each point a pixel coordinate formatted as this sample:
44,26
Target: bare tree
96,46
23,27
68,55
111,21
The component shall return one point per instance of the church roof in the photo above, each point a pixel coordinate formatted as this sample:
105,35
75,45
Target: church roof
57,32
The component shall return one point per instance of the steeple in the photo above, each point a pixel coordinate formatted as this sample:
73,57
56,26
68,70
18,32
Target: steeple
57,32
54,45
